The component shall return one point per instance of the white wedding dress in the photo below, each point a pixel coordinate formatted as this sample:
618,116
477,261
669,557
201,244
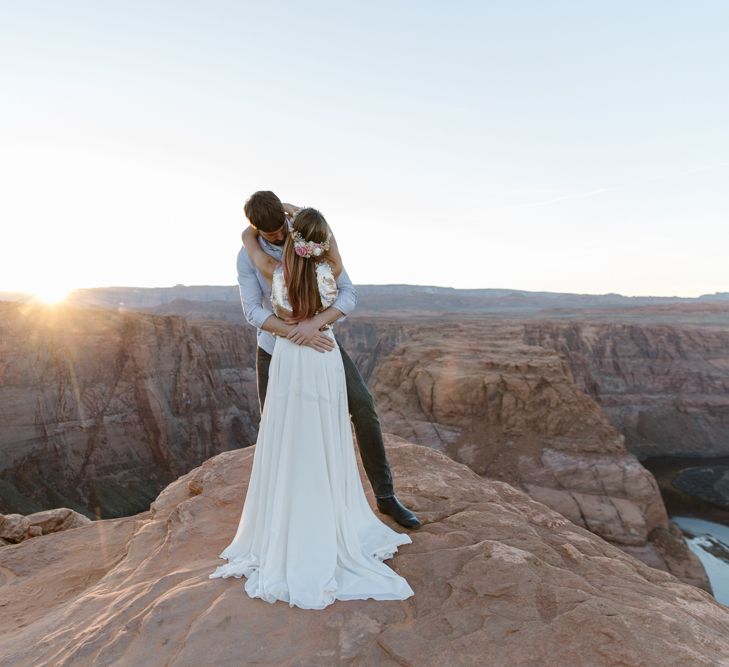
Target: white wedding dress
307,534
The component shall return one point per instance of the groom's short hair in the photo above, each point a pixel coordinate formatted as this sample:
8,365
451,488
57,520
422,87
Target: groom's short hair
265,211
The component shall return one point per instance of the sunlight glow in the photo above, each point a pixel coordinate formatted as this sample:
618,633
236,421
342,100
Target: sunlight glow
51,294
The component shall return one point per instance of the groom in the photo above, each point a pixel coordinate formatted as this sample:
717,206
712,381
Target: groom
270,217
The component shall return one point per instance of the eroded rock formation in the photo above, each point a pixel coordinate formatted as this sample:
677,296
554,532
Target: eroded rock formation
99,409
15,528
512,411
666,388
499,579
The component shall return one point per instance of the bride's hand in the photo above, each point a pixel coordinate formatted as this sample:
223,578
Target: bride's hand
307,333
290,209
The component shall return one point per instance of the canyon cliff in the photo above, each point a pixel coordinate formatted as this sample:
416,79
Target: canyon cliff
513,411
499,579
99,410
666,388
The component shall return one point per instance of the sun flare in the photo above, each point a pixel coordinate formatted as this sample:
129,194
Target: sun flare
51,294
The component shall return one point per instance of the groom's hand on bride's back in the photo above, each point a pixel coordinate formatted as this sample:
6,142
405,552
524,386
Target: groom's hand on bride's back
307,333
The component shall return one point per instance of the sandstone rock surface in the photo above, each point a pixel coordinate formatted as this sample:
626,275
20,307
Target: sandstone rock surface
16,527
499,579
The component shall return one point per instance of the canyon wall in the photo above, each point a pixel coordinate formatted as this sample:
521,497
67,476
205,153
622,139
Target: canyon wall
665,388
99,410
513,411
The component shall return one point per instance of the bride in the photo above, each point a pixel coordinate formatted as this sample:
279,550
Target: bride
307,534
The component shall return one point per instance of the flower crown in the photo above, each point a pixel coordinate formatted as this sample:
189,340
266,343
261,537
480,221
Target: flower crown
306,249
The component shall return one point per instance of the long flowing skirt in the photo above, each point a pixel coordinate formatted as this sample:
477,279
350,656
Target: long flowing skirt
307,534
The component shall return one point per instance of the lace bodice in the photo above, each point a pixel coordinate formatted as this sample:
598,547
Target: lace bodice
279,294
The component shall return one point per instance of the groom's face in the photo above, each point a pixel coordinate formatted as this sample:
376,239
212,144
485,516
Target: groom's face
277,238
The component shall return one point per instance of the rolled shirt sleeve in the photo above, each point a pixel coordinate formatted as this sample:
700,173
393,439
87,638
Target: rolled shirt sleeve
251,295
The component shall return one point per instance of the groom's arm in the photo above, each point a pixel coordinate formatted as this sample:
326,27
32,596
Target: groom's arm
251,297
346,300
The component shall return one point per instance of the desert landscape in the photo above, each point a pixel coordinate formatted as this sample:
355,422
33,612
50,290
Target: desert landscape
511,218
104,407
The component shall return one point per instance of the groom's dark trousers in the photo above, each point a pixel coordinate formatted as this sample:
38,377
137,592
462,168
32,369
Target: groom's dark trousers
364,417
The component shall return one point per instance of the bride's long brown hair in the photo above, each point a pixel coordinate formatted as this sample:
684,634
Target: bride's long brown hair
300,272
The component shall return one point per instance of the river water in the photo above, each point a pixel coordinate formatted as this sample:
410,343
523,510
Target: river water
710,542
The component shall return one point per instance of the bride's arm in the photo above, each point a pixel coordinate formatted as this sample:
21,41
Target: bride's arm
262,261
291,209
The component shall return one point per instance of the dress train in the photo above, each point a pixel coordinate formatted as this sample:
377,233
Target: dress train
307,534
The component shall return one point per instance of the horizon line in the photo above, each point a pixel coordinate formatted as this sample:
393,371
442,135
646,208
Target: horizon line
30,293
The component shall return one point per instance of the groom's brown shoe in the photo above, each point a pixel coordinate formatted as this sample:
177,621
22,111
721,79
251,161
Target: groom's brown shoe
392,506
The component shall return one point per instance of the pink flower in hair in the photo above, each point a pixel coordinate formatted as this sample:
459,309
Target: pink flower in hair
306,249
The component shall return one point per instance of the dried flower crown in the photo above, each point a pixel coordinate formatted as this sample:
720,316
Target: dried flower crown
306,249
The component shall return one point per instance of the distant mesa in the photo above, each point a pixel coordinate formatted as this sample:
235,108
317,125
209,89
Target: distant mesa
387,298
716,296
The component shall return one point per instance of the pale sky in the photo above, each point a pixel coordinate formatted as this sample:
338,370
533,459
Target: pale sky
574,146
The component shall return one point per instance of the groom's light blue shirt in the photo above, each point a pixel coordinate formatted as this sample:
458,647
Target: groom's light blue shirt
255,293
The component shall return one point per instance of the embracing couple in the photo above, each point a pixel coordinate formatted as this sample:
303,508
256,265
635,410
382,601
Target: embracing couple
307,534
